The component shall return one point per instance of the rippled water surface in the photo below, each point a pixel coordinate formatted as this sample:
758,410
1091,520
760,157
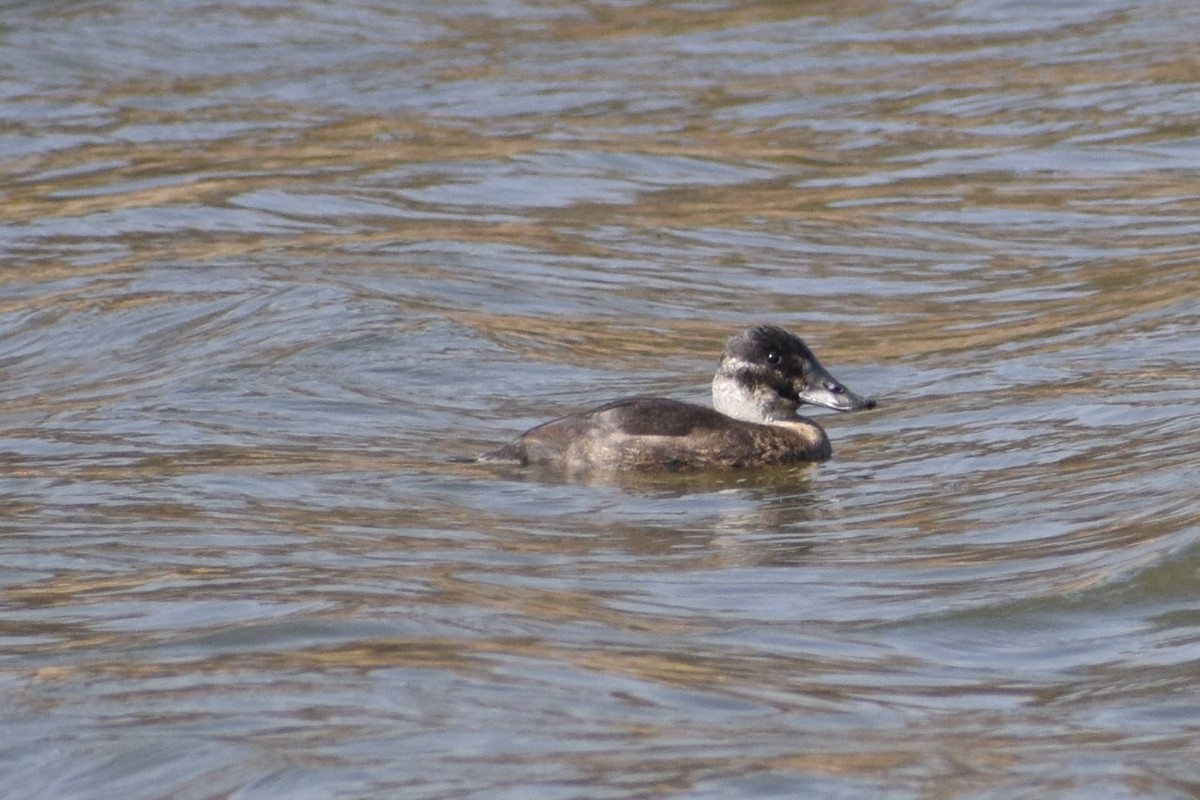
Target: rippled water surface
269,268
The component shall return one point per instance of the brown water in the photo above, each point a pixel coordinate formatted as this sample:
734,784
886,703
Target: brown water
268,267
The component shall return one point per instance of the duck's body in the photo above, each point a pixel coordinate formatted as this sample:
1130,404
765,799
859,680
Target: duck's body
764,375
657,433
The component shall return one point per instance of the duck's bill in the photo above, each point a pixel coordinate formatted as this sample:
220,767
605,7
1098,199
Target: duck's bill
822,389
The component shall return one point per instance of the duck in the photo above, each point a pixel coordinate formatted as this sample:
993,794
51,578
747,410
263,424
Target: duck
764,375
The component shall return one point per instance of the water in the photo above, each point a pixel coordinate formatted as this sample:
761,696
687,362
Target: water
269,267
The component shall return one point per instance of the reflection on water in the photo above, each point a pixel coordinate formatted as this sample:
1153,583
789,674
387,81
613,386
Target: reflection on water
270,269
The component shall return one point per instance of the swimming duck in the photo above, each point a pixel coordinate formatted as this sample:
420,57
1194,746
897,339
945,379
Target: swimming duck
763,377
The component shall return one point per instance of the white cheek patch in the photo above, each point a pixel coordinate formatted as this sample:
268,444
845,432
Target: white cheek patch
738,393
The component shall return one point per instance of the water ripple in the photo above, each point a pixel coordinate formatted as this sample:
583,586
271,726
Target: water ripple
271,269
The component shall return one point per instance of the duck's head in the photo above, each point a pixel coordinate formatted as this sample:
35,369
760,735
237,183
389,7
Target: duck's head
765,374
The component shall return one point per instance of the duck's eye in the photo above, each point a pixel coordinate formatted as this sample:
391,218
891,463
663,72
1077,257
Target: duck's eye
773,357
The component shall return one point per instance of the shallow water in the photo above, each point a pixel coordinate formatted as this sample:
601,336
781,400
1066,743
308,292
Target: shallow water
270,267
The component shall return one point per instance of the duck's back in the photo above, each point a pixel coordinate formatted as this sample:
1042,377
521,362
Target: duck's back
657,433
